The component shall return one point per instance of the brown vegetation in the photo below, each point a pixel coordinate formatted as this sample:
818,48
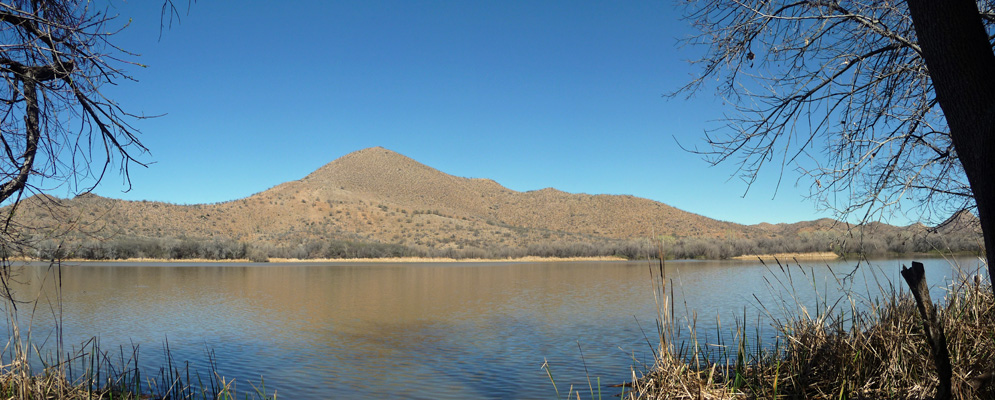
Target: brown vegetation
859,349
377,203
92,373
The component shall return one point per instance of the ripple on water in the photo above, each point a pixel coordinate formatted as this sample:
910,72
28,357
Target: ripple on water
439,332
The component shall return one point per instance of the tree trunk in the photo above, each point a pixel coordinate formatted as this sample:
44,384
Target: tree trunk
962,67
32,132
916,278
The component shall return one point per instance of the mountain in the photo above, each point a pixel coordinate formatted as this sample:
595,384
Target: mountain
379,196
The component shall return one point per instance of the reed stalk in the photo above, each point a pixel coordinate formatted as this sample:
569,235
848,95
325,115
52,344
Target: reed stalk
856,347
90,372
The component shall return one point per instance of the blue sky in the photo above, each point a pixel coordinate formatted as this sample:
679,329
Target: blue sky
530,94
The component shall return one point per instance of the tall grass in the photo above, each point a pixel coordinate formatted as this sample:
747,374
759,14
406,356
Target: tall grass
91,372
854,348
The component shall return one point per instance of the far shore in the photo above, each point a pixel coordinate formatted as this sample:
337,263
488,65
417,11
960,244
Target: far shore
814,256
531,259
826,255
444,259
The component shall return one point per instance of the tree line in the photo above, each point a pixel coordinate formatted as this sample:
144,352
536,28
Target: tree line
170,248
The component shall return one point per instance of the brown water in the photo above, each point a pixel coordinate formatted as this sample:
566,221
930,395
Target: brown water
453,330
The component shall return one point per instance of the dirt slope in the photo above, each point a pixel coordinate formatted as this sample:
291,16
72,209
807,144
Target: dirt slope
379,195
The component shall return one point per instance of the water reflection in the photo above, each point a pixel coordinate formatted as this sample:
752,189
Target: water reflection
414,330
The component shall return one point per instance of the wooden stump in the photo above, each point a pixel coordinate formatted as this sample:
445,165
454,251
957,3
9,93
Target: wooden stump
916,278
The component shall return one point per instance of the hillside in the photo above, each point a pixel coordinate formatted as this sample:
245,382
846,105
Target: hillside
378,196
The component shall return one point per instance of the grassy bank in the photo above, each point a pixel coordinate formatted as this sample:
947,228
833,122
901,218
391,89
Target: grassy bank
858,349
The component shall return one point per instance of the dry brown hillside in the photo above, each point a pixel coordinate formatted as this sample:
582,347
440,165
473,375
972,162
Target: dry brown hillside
377,195
383,176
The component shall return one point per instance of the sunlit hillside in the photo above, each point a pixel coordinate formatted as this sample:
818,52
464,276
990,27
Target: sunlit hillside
379,196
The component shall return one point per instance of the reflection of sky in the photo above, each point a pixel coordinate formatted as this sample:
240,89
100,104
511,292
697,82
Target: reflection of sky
420,330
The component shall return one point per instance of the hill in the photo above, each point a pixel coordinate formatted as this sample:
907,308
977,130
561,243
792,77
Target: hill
377,196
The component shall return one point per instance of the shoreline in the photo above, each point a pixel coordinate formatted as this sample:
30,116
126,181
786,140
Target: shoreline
825,255
815,256
532,259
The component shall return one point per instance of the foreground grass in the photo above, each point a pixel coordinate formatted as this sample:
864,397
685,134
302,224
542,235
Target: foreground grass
870,351
91,374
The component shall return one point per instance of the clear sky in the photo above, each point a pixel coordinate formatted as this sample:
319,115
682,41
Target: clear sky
541,94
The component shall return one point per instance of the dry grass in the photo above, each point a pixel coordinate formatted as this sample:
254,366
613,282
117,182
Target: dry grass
139,260
825,255
530,259
91,373
872,351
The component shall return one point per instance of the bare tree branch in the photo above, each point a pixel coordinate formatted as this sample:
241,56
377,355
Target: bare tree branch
836,90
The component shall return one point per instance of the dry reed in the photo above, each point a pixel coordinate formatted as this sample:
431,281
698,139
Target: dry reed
93,373
871,350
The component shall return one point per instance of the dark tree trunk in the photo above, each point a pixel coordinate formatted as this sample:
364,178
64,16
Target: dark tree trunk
916,278
32,132
962,67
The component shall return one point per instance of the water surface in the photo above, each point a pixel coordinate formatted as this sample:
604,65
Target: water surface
451,330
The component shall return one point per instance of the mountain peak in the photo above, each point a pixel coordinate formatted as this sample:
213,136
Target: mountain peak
373,151
369,161
379,173
373,154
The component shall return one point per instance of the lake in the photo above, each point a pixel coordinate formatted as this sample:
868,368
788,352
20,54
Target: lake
421,330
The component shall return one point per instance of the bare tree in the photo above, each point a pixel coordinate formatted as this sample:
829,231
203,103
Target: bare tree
884,105
57,127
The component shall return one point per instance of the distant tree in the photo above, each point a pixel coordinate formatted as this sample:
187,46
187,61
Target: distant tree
57,126
58,129
881,102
